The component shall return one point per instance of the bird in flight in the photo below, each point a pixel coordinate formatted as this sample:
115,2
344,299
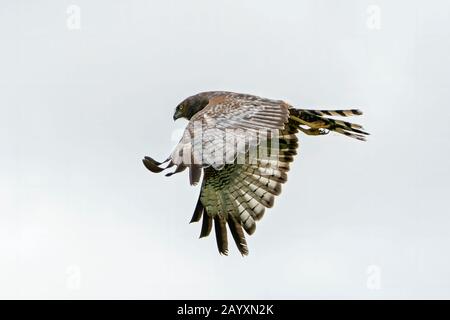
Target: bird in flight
243,146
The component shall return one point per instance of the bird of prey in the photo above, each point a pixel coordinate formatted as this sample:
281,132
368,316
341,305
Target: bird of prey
243,146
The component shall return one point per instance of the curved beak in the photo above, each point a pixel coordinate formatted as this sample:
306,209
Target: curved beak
177,115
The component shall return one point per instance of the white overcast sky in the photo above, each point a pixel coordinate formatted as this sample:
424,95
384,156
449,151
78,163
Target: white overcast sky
80,217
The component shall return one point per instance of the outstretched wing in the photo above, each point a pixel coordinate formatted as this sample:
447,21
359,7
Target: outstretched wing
238,194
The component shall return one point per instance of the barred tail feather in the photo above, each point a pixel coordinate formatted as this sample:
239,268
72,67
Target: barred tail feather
336,113
317,123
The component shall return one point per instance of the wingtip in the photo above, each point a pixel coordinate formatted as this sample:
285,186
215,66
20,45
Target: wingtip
151,165
224,253
244,251
361,138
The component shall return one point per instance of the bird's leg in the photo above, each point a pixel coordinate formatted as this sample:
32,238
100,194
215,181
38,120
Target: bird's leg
313,131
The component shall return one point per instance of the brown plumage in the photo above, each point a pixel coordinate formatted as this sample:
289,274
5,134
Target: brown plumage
243,145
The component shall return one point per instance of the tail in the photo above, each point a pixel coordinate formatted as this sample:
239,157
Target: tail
335,113
317,122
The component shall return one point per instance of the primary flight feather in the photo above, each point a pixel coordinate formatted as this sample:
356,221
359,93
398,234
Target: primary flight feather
243,145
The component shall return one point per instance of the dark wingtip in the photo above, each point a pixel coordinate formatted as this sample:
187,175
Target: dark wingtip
221,235
152,165
238,235
198,212
206,226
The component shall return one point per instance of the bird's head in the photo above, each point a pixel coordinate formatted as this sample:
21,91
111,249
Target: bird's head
190,106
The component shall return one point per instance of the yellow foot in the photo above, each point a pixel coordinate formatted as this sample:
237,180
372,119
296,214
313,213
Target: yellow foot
314,131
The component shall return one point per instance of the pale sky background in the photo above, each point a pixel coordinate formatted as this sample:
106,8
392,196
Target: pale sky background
80,217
